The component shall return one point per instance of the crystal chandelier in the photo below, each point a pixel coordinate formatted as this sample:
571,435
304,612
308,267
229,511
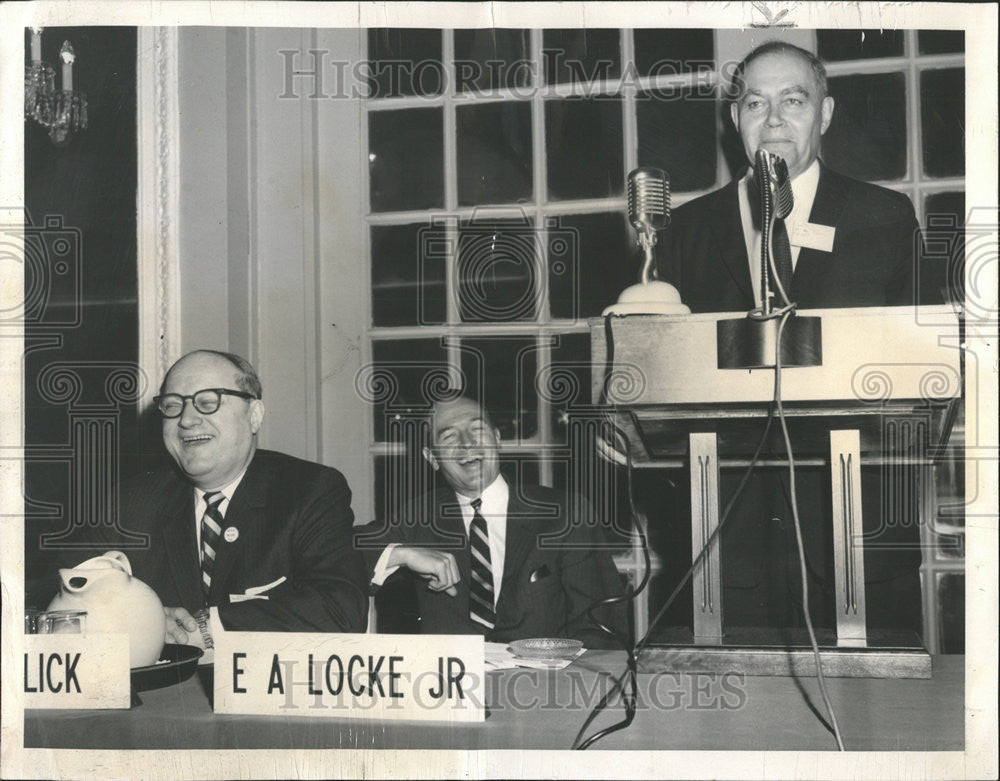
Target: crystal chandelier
63,110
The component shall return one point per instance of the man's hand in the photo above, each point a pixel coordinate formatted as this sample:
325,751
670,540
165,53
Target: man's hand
181,627
437,567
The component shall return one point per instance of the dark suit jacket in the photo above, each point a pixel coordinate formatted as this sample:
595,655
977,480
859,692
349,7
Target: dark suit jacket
553,570
875,247
294,521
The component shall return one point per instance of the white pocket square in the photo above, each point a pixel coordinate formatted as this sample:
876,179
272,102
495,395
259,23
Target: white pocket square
257,592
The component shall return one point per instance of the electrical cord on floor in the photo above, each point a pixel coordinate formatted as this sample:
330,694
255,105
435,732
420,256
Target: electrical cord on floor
798,532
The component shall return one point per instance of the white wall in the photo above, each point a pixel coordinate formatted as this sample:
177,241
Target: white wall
270,241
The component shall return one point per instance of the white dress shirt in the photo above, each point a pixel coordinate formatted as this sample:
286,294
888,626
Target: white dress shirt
200,505
804,192
494,512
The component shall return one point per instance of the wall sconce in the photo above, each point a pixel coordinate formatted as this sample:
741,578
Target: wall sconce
63,110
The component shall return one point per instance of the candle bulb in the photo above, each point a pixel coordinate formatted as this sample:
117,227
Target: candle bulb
68,55
36,44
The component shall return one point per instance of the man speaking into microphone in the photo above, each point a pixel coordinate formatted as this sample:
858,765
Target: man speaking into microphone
851,244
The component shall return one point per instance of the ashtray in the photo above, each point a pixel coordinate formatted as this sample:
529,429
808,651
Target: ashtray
546,648
177,663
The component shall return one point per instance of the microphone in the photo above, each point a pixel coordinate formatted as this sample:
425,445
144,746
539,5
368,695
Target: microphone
648,212
783,198
776,201
648,209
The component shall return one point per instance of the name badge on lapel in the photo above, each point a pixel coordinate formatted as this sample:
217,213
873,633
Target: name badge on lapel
813,236
231,534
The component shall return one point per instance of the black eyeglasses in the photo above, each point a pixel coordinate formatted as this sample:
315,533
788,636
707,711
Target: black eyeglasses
206,401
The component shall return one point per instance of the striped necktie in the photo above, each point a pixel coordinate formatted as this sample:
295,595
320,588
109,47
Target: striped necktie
481,582
211,528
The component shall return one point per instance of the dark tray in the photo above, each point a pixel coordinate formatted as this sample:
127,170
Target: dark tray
181,662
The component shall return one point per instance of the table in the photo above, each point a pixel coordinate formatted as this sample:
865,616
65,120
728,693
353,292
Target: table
535,709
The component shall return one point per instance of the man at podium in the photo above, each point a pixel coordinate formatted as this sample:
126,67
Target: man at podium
851,244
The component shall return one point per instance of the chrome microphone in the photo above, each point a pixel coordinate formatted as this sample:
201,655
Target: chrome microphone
648,209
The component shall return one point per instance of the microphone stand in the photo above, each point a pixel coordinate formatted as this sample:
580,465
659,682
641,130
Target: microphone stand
647,239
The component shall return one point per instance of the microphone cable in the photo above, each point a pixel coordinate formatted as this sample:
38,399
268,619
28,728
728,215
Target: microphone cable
627,683
631,670
798,532
633,648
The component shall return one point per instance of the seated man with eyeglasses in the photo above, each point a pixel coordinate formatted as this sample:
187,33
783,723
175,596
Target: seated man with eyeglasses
262,537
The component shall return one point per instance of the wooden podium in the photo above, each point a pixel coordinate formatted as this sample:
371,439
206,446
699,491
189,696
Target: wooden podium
889,377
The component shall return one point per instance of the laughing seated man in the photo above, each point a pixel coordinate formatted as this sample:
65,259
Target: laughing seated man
504,560
259,536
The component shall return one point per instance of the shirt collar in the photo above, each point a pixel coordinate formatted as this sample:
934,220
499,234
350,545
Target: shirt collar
227,490
804,191
494,498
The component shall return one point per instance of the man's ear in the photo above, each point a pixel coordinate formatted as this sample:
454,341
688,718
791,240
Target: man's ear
496,435
734,113
256,414
827,113
429,456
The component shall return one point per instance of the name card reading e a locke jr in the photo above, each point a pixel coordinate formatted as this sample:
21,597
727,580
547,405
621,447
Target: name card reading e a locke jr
76,671
360,676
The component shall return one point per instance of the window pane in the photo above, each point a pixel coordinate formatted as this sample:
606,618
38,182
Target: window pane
404,62
677,129
940,41
951,612
500,370
579,56
601,264
942,121
490,59
407,288
406,159
566,384
494,152
406,376
867,137
497,268
665,52
858,44
583,140
944,242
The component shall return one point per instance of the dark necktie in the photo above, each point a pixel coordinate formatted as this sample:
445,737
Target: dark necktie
780,246
211,528
481,581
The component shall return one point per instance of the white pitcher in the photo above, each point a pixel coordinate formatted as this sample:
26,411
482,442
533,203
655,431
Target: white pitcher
115,602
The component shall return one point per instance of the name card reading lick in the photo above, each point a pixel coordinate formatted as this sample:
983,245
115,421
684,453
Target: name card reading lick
76,671
425,678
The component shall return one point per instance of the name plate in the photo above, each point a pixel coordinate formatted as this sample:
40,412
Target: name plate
76,671
355,676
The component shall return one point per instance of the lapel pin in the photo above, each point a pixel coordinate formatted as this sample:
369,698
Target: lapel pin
231,534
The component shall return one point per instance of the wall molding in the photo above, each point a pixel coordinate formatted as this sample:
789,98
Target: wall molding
158,203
